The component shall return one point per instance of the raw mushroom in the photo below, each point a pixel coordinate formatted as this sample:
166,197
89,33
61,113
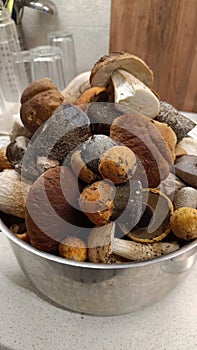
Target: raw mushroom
60,134
85,160
4,162
38,101
189,146
102,157
186,169
184,223
141,252
16,150
102,202
93,94
55,195
106,65
177,121
12,193
131,92
168,135
138,133
101,116
73,248
185,197
76,87
102,244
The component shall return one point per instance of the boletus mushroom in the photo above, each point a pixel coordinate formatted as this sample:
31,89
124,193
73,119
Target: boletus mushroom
130,78
102,202
100,157
102,244
55,195
38,101
154,224
140,135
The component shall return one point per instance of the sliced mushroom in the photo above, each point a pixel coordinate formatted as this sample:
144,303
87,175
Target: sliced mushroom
106,65
131,92
76,87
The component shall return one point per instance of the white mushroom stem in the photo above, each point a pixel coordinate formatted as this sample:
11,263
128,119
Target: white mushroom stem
76,87
12,193
139,251
131,92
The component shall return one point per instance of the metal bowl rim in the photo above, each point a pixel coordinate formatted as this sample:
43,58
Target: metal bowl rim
90,265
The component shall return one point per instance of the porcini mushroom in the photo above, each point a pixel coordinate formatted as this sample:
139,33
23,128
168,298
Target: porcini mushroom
102,202
38,101
102,244
177,121
138,133
106,65
136,251
131,92
184,223
76,87
55,195
12,193
73,248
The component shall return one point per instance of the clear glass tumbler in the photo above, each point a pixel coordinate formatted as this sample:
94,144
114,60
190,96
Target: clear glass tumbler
65,42
41,62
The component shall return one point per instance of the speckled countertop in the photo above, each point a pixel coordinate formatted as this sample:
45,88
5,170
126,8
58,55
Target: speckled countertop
28,322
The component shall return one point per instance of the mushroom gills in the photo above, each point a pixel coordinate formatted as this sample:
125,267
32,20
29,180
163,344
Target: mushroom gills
130,91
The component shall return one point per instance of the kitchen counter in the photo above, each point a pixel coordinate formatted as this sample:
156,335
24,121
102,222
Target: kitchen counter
29,322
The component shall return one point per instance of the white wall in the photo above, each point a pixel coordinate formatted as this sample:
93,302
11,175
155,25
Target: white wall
87,20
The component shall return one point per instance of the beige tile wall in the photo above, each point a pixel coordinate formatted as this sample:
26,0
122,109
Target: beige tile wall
87,20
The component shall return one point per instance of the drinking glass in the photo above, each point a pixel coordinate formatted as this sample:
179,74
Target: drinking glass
65,42
41,62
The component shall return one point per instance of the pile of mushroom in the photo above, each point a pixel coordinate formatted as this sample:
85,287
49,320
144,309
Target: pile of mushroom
103,171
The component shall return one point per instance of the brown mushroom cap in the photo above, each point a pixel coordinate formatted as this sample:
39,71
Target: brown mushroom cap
117,164
50,211
184,223
168,135
138,133
73,248
107,64
91,94
39,100
96,201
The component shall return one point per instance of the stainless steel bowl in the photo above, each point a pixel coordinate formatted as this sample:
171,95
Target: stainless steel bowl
101,289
